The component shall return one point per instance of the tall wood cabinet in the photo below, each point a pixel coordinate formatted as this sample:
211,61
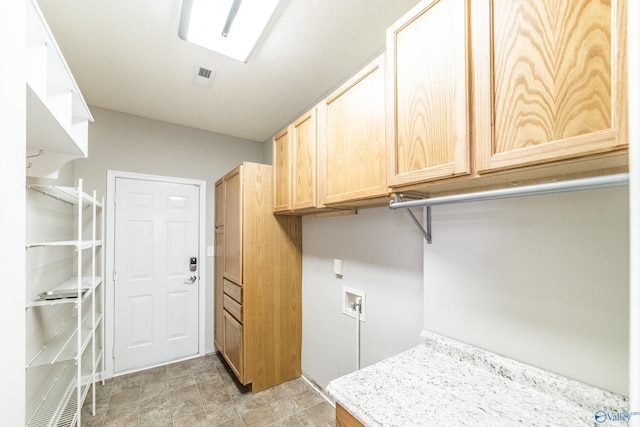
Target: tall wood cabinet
295,166
258,319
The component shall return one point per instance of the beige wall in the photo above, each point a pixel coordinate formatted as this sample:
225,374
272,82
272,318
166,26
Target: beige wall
123,142
382,255
542,279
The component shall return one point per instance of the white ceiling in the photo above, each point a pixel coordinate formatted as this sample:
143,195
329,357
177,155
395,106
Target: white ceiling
126,56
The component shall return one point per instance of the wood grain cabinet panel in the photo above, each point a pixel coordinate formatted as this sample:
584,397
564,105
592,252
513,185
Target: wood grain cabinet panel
261,315
352,141
233,226
550,77
233,290
295,166
232,307
493,93
282,169
233,346
428,93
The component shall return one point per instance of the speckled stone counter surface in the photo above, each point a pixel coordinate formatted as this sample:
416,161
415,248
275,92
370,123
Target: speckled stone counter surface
443,382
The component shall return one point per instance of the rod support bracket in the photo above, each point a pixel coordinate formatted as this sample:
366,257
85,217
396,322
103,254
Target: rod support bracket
426,233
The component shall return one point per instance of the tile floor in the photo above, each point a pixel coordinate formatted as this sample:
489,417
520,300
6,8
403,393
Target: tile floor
203,392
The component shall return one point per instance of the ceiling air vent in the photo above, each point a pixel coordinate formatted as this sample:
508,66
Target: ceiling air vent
203,76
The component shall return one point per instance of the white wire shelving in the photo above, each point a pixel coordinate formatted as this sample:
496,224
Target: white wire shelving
72,350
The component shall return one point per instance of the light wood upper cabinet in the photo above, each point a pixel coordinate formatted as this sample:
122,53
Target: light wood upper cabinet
282,171
294,161
304,165
352,153
428,97
550,80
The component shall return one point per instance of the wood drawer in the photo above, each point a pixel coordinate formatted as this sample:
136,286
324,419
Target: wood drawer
233,290
233,308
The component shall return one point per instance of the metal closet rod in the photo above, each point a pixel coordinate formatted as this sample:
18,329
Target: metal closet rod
526,190
505,193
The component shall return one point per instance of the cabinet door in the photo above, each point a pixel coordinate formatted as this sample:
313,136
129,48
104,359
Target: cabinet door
282,171
550,78
304,161
233,226
353,143
233,347
218,330
219,208
428,92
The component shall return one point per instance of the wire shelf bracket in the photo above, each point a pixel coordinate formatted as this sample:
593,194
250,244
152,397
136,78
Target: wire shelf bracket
591,183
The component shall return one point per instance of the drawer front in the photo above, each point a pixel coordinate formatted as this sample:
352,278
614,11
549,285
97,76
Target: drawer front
233,290
233,308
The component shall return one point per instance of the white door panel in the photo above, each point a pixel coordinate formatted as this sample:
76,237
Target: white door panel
156,303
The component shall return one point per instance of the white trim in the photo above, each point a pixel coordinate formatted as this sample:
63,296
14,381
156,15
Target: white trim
110,258
318,389
633,57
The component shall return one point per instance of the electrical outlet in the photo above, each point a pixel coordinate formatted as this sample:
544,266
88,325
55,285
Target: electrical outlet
349,299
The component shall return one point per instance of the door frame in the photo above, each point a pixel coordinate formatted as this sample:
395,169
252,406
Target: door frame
108,280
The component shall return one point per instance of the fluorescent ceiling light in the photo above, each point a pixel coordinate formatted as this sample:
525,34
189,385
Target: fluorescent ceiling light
229,27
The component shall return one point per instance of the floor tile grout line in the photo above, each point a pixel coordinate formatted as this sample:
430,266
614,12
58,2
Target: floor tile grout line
319,391
224,376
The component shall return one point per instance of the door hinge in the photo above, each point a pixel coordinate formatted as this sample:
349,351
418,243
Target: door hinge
113,353
113,278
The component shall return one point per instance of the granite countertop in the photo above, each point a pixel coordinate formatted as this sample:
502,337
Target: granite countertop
445,382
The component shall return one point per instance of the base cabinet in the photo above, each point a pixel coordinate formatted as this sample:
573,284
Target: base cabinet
258,319
345,419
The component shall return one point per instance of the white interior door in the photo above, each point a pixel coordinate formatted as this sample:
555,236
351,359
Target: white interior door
155,289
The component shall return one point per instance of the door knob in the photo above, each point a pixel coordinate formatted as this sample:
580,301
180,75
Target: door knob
191,279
